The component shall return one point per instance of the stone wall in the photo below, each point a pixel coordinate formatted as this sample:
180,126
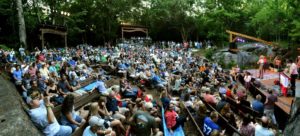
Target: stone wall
292,128
14,121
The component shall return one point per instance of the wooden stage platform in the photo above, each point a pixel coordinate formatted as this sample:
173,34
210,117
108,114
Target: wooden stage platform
283,103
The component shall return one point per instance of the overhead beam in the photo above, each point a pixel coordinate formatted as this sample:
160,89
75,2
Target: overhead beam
130,29
232,33
53,31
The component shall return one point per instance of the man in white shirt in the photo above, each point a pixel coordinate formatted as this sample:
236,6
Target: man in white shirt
95,124
43,117
44,71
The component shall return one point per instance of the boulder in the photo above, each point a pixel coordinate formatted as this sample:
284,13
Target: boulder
13,119
248,54
292,127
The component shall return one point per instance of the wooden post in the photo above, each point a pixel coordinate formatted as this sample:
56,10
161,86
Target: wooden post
66,44
230,37
122,34
43,42
146,32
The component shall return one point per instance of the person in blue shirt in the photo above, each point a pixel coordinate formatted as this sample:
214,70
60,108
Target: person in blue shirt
165,99
17,75
72,63
262,130
157,82
100,85
122,66
210,123
257,105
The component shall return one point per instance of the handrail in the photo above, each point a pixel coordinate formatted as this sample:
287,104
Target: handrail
193,120
221,116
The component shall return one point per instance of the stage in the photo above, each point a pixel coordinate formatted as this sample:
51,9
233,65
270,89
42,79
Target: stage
283,103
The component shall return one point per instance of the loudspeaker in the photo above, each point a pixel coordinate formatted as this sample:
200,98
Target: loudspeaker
232,45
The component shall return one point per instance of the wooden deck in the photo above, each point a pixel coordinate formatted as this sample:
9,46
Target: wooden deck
283,103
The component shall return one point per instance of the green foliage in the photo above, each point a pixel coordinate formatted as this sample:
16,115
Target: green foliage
2,46
98,21
209,53
222,63
231,64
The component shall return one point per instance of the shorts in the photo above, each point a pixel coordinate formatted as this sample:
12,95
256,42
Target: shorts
73,126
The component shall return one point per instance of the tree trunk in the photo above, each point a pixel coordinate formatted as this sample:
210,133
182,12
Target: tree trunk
35,2
184,34
22,28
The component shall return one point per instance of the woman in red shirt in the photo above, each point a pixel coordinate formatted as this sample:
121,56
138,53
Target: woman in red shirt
173,120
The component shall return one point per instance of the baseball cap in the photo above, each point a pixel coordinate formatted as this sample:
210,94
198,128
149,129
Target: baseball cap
148,105
94,120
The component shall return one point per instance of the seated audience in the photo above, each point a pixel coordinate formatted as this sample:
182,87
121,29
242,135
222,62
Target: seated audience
210,123
173,120
262,129
257,105
43,117
95,128
68,116
247,128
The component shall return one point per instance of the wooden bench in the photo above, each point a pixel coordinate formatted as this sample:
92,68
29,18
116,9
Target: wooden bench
243,108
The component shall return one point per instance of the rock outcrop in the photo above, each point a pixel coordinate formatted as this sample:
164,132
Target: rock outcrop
14,121
248,54
292,127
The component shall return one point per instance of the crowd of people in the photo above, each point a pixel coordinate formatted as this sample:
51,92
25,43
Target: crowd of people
50,77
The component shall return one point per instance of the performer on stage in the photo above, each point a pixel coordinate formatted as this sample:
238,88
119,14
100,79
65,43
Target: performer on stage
277,64
294,73
261,66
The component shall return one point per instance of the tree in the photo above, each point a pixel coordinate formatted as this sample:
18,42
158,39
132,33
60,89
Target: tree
294,8
22,27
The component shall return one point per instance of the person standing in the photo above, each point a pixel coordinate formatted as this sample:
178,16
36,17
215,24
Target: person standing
261,67
294,73
247,79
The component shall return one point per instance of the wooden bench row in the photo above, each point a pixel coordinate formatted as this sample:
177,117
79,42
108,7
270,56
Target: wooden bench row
243,108
211,108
